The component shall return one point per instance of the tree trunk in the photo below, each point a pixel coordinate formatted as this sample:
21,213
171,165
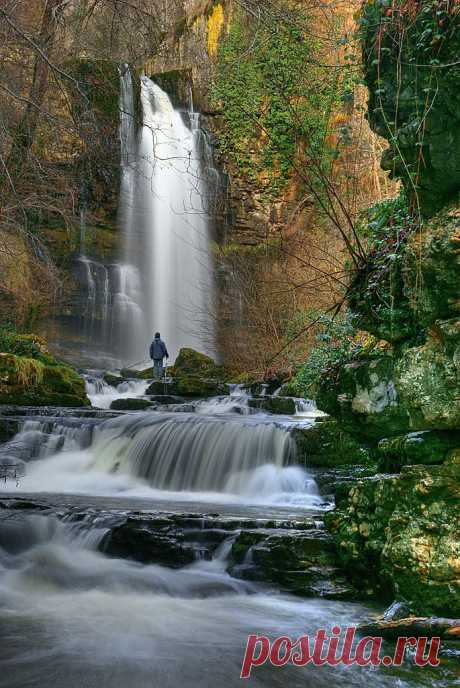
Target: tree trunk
27,126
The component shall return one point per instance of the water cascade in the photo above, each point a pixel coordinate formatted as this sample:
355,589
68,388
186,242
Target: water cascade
250,459
165,278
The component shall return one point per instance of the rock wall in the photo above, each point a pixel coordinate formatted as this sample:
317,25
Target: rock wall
401,532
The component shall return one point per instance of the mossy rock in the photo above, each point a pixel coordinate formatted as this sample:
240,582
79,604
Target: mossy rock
279,405
325,444
399,536
191,362
364,397
429,447
197,387
28,381
131,405
129,373
113,380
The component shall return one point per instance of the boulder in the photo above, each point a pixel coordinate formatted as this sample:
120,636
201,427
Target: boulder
191,362
28,381
113,380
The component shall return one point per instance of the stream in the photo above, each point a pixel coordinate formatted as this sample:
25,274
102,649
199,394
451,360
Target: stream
141,549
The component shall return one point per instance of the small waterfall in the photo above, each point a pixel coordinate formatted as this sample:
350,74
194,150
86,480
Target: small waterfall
158,454
101,394
184,452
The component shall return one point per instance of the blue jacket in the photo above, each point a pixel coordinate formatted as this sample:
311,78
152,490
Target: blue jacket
158,350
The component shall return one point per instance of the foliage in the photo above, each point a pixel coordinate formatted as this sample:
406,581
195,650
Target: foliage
377,294
274,100
335,345
29,346
410,50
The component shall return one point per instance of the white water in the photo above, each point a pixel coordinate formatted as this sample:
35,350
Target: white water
170,456
73,617
165,280
101,394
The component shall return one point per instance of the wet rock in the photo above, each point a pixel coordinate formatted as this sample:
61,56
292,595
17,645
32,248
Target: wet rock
397,611
129,373
149,542
428,447
113,380
131,405
326,444
302,562
278,405
166,399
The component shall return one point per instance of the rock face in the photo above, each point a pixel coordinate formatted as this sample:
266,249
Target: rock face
419,113
36,378
400,535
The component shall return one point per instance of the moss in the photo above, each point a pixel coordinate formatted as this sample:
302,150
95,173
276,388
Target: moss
428,447
399,536
191,362
39,381
326,444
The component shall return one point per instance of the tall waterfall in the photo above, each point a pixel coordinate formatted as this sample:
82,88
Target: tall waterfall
165,280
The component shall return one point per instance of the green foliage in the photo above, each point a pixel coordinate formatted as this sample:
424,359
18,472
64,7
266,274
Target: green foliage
24,345
275,103
335,345
377,296
410,51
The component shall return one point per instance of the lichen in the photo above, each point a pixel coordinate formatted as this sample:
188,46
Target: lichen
214,27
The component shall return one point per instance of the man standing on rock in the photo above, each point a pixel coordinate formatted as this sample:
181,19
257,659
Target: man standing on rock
158,352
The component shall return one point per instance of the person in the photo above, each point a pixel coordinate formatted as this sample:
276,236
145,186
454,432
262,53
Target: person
158,352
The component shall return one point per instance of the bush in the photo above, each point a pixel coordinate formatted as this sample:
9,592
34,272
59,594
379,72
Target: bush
336,344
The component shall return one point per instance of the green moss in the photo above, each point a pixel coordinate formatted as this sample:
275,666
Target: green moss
272,105
428,447
399,536
325,444
378,298
411,68
39,380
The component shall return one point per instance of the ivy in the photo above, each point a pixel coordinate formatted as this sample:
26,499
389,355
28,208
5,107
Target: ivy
275,102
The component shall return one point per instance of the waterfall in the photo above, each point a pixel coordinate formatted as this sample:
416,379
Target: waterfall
247,459
165,279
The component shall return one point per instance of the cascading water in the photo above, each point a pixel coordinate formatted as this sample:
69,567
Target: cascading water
157,454
165,280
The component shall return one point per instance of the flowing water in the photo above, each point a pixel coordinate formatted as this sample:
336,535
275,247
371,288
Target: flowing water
163,278
72,616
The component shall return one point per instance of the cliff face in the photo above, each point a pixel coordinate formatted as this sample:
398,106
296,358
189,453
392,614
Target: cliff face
405,396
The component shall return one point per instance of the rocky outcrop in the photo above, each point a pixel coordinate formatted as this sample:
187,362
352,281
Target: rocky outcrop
32,376
400,535
412,72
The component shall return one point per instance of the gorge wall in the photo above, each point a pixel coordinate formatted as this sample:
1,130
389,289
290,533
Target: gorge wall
400,532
